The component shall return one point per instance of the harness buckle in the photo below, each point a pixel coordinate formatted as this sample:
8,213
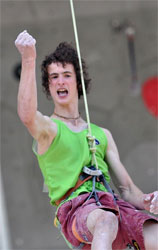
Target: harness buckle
92,172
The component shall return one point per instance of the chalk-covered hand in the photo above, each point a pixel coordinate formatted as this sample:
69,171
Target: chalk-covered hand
151,202
25,44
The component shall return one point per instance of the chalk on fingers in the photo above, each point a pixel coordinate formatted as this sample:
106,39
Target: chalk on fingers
154,199
147,198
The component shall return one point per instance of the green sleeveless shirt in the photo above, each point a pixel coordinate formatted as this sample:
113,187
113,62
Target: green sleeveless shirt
69,152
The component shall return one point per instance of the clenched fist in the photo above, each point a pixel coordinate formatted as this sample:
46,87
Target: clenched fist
25,44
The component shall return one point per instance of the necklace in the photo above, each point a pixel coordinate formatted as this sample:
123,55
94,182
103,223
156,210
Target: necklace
67,118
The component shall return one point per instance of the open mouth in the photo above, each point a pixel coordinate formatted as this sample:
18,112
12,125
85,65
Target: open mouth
62,92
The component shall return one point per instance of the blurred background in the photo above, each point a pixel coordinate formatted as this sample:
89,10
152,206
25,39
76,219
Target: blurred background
118,40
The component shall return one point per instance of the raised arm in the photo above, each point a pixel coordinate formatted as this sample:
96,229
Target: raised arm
27,95
121,179
38,125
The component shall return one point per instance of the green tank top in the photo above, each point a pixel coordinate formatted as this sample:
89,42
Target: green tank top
69,152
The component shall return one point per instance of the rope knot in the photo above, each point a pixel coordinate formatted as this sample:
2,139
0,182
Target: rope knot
93,150
91,138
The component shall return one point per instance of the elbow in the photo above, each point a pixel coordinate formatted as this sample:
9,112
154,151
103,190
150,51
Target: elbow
26,109
129,190
125,195
25,117
126,190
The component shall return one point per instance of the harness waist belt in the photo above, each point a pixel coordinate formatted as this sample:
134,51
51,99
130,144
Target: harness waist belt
80,181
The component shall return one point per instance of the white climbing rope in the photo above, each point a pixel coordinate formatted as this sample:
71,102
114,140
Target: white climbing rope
91,138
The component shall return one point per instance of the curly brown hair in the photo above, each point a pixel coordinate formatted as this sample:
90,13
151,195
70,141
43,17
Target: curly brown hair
65,53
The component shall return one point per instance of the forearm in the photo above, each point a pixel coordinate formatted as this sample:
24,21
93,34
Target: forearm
133,195
27,95
127,189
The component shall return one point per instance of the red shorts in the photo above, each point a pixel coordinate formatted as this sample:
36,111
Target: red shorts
73,214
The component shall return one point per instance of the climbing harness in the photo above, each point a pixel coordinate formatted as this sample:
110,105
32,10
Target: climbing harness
87,174
82,178
97,175
92,171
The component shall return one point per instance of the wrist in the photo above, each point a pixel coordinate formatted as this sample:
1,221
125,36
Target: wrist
146,202
28,61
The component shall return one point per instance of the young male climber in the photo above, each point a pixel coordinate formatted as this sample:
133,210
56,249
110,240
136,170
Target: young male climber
62,150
